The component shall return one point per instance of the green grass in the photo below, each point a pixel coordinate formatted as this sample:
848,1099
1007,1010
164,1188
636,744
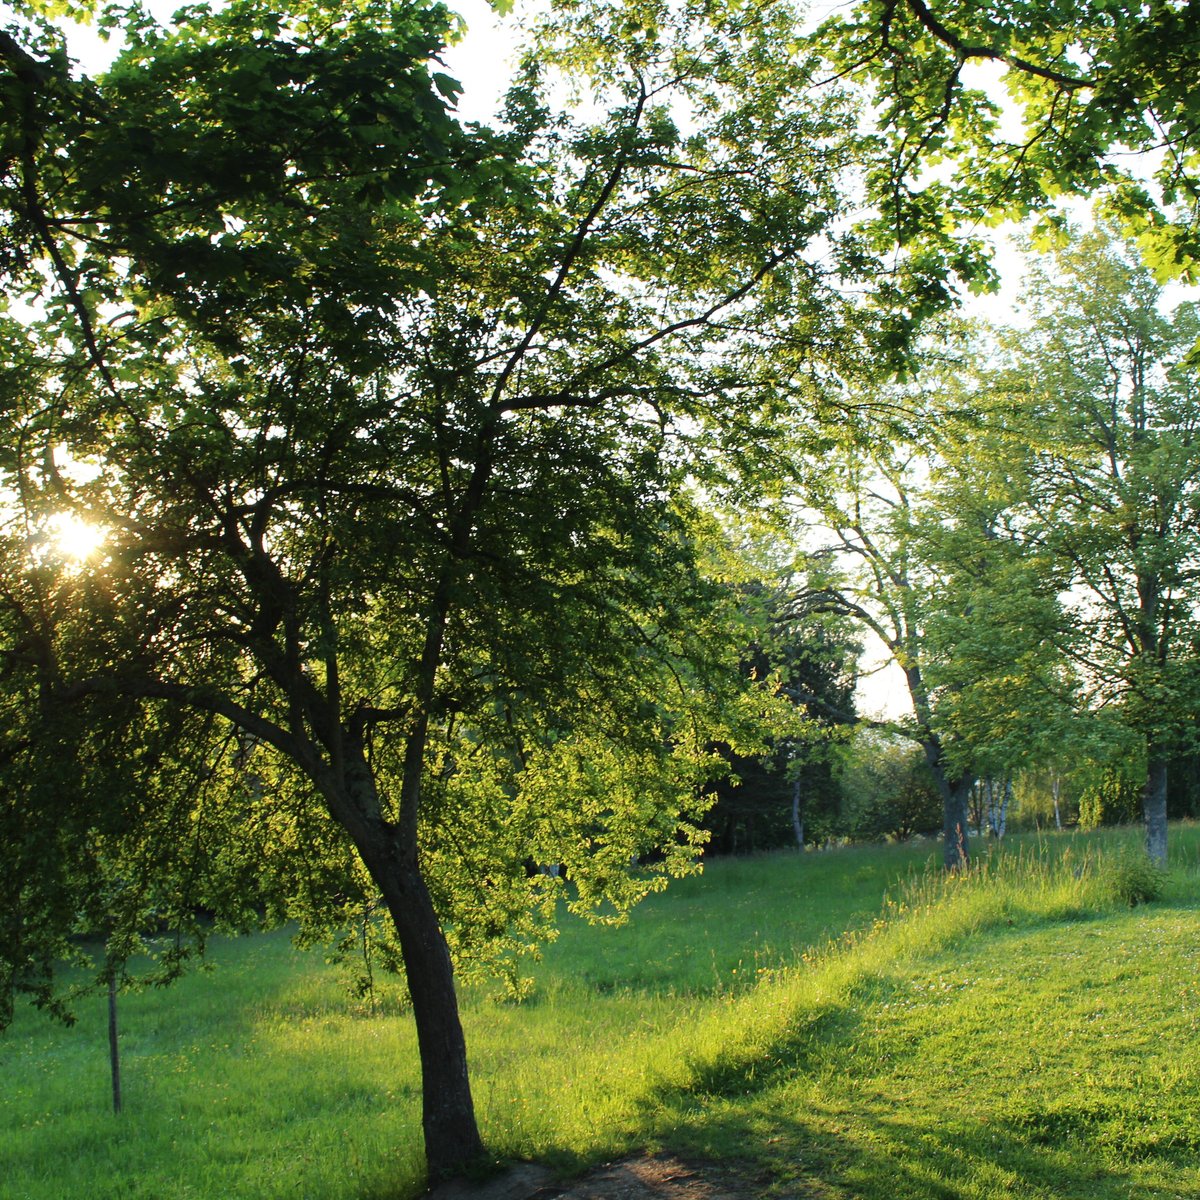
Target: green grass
1021,1030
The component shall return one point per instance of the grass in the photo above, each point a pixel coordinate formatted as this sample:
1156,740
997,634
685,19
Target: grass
1021,1030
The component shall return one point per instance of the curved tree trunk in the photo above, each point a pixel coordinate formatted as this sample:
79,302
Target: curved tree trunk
389,852
452,1139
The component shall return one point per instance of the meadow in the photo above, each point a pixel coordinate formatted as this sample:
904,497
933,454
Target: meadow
838,1024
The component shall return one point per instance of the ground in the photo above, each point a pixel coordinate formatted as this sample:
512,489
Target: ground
660,1177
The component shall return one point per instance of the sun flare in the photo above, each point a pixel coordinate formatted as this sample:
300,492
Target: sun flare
74,537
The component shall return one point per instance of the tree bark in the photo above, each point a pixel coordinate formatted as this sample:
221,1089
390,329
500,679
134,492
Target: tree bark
452,1139
1154,808
955,820
956,794
797,814
956,803
389,852
114,1049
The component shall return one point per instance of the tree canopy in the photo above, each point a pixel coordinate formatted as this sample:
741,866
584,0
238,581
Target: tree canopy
1106,104
393,426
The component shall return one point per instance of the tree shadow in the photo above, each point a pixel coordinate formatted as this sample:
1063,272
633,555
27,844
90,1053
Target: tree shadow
800,1112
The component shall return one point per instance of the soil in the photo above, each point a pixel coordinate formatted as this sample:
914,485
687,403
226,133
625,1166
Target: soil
658,1177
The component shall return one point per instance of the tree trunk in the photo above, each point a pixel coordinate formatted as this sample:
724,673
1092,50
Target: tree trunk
389,852
956,802
1002,824
452,1139
956,796
797,814
1154,807
1055,790
955,821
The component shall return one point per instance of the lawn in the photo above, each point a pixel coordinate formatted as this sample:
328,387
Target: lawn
1020,1032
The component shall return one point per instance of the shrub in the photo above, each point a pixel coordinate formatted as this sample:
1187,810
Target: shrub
1132,878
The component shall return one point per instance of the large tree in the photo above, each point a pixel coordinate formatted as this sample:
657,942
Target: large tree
1105,402
387,423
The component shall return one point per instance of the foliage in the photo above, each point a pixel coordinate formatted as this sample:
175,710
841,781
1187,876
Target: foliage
1099,90
793,786
1105,399
1112,794
888,789
1022,540
904,526
1037,793
1133,878
1114,402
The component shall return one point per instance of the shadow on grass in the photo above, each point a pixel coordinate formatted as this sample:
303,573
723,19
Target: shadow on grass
823,1115
873,1152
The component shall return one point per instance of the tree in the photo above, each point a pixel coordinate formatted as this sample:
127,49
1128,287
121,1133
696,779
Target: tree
907,529
888,788
1112,411
882,583
388,422
777,797
1091,81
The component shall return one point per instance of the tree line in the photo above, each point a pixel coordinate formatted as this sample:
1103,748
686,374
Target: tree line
1018,532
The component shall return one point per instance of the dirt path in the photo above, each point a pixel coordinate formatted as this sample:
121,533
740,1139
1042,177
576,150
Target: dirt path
651,1178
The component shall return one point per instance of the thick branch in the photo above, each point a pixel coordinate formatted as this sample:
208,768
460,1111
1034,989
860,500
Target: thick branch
965,51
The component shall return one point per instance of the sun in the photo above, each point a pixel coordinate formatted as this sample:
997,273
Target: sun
74,537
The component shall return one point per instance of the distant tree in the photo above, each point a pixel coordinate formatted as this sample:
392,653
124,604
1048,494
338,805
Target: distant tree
790,790
905,527
1111,793
888,789
1047,796
991,800
1109,403
819,668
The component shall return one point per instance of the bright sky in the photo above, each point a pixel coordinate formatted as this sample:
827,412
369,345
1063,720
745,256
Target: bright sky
481,61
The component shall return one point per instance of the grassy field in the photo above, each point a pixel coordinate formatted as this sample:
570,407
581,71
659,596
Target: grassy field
1023,1031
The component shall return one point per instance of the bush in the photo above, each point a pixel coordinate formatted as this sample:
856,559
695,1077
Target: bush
1132,878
